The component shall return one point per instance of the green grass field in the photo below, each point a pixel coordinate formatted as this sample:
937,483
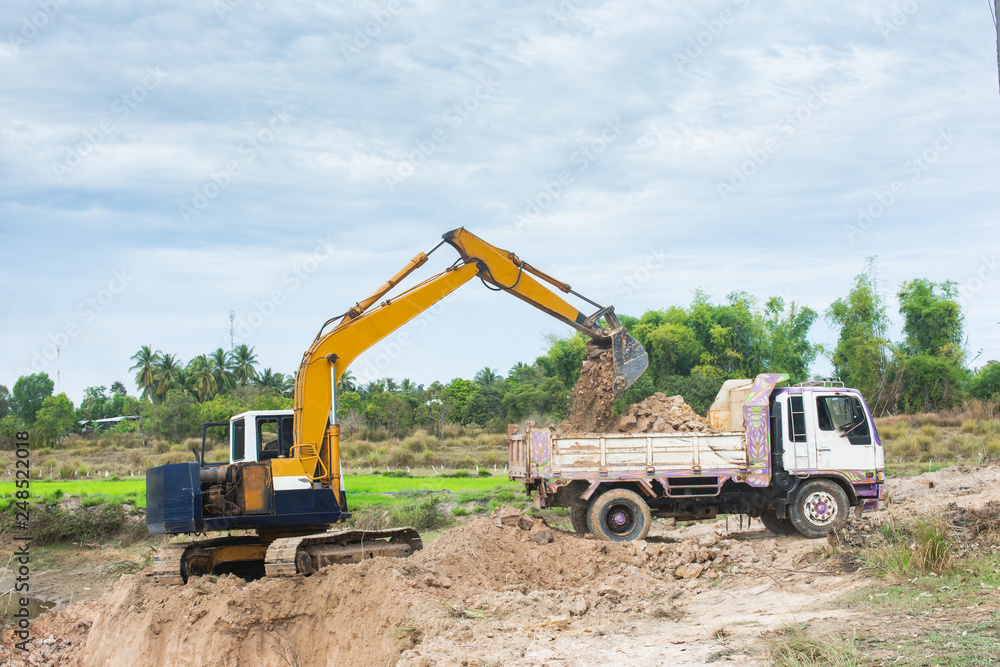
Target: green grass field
363,490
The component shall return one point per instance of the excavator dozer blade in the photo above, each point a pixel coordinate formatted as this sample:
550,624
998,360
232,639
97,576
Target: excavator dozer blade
630,359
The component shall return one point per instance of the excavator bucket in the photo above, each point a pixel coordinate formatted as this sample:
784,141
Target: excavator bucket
630,359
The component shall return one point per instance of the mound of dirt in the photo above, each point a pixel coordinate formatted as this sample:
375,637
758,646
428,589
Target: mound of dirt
593,394
372,612
593,397
659,414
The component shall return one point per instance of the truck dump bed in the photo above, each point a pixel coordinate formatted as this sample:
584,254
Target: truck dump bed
540,452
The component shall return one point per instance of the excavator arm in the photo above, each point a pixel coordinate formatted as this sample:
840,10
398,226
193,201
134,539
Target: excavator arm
317,436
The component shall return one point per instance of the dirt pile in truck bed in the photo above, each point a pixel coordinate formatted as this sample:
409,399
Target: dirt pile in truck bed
659,414
593,397
593,394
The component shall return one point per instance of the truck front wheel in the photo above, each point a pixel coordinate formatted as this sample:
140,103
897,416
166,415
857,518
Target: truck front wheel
619,515
819,507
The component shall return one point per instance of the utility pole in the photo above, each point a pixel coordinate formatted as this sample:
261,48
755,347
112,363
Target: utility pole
232,318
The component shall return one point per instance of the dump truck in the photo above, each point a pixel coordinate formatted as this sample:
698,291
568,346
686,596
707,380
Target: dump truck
283,482
799,458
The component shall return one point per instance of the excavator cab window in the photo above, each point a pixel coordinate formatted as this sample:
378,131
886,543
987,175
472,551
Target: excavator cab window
239,440
274,437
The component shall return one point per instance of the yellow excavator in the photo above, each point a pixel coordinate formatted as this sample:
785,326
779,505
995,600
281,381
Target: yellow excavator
283,481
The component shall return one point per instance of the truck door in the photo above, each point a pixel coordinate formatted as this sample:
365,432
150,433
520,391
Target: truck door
843,433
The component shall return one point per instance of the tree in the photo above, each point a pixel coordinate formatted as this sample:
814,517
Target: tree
787,346
175,417
244,365
486,377
272,382
5,402
55,419
929,383
169,375
222,370
863,356
932,319
483,407
564,360
201,377
96,404
118,388
145,367
347,382
458,392
408,386
29,392
932,373
986,383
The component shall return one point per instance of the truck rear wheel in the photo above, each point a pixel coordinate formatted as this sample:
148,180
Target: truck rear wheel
578,515
777,526
819,507
619,515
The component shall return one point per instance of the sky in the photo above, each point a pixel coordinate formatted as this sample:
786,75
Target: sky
165,163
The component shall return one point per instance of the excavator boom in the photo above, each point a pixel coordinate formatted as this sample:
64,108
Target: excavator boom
316,431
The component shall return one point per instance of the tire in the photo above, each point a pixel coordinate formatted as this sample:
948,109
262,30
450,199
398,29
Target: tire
819,507
619,515
578,515
777,526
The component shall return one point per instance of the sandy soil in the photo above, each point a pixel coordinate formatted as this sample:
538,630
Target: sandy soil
485,593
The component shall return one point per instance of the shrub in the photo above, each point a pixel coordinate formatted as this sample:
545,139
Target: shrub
54,525
796,648
908,551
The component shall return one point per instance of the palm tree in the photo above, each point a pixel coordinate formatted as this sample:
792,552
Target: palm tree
222,370
486,377
145,366
271,381
407,386
244,364
202,380
347,382
169,374
288,386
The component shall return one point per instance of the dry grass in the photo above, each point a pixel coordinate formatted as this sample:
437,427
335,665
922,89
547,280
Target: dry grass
914,441
463,449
